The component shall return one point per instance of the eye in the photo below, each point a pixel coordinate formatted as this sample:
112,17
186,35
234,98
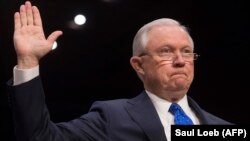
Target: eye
164,50
187,51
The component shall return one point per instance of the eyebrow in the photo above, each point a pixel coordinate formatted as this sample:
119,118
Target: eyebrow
171,47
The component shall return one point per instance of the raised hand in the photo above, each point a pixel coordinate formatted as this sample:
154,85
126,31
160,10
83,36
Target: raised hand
29,39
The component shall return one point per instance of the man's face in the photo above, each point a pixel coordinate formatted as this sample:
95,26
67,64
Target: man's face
174,74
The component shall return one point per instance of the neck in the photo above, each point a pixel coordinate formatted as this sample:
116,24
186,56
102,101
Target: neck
171,96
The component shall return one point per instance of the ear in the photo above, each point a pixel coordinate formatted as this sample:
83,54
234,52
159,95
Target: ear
136,63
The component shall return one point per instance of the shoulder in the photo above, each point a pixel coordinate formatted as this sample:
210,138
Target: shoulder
109,103
204,116
121,103
213,119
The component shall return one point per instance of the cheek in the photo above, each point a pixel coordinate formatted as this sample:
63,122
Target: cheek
191,69
156,74
163,73
151,69
190,72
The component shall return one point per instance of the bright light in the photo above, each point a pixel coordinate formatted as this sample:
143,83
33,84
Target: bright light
80,19
54,45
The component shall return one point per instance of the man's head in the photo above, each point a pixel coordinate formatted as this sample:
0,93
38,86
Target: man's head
163,58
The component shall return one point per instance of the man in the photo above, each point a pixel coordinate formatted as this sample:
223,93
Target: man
162,57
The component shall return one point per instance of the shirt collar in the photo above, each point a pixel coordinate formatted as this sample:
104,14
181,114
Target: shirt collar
163,104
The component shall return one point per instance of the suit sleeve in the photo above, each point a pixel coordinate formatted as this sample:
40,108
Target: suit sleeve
32,120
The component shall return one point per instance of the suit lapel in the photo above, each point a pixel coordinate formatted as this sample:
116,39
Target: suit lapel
198,111
143,112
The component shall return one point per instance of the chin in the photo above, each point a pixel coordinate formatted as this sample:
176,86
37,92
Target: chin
176,97
179,87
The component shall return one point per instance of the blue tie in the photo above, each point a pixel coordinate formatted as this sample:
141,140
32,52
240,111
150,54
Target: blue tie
180,118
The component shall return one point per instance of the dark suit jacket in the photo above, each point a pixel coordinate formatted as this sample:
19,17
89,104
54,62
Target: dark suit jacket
116,120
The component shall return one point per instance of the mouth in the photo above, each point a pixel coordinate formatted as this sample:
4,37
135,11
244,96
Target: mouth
179,74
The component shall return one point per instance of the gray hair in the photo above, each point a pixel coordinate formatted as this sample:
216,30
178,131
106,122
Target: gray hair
141,37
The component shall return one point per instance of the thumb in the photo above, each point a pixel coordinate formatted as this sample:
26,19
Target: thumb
53,36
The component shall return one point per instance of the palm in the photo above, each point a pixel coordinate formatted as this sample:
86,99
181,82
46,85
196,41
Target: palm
30,40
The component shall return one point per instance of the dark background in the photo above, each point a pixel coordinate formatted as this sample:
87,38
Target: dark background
92,63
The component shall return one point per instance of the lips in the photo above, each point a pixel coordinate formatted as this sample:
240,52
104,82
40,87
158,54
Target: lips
179,73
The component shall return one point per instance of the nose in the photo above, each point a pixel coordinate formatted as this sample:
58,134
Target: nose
178,60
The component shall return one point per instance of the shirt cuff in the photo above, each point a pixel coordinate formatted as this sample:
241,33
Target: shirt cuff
24,75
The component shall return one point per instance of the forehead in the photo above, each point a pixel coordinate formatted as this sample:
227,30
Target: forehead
173,36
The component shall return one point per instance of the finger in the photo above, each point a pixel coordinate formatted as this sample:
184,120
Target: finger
17,20
36,15
53,36
23,15
29,13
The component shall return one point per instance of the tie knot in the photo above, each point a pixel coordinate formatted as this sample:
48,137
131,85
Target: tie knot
174,108
180,117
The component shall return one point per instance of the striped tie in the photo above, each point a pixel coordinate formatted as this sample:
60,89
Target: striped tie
180,118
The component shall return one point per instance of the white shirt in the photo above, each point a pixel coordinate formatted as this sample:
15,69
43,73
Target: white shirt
162,106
